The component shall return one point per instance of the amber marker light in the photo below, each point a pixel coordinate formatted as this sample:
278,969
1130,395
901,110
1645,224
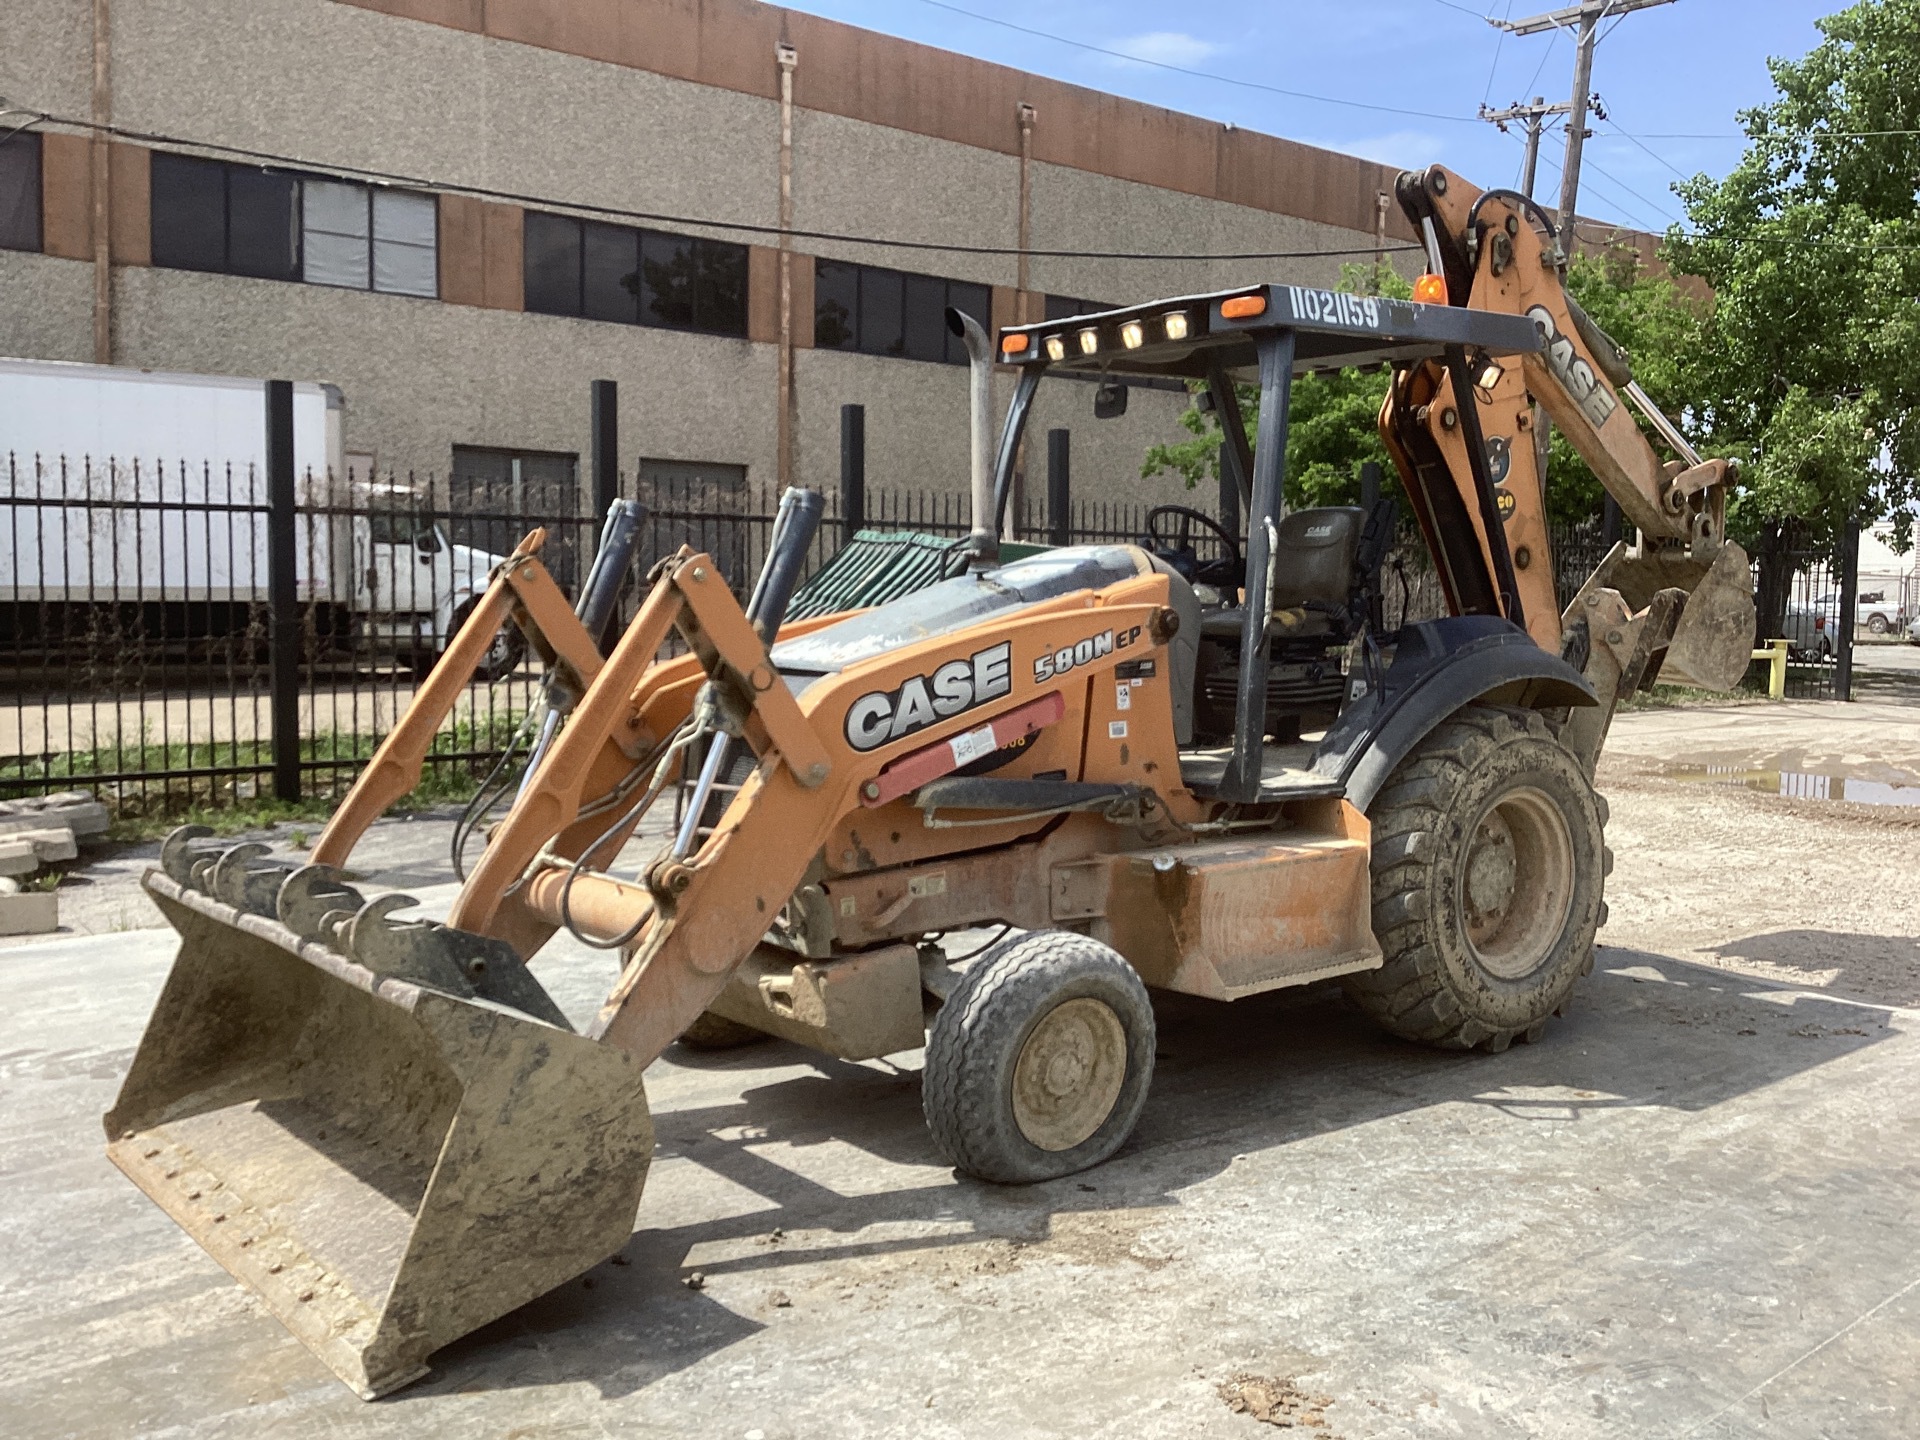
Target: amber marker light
1133,334
1430,289
1013,344
1089,341
1243,307
1056,348
1176,325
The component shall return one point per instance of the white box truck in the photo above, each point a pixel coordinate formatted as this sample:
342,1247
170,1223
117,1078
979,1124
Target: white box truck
139,498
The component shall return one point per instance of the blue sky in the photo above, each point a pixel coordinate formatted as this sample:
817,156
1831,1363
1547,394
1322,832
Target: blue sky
1668,75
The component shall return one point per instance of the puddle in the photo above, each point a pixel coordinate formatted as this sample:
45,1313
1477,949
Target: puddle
1801,784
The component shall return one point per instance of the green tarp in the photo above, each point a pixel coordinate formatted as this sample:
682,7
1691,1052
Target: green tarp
881,565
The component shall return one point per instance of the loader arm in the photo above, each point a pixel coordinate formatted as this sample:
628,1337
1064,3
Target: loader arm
1678,601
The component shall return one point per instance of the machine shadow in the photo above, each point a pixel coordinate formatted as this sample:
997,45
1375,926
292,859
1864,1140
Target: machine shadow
1231,1080
1879,969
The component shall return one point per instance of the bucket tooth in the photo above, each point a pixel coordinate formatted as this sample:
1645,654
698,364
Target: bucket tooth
239,878
385,1165
447,959
185,851
315,900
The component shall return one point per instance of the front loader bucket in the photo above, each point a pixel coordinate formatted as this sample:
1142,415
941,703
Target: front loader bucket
387,1164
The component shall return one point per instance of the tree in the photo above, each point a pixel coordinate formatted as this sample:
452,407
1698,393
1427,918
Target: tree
1809,364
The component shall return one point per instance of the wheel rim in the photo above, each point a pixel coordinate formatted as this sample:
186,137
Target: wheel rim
1516,885
1069,1074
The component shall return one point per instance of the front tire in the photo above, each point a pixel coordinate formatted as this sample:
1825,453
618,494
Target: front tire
1038,1064
1488,871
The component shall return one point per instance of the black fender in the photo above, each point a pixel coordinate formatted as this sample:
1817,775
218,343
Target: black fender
1439,666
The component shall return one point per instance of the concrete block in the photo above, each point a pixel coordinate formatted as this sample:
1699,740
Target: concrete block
18,856
73,810
29,914
50,844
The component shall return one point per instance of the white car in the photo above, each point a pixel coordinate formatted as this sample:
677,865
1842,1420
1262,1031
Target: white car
1809,631
1878,615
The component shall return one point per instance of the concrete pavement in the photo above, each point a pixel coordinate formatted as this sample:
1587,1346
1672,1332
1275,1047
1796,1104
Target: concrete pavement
1689,1211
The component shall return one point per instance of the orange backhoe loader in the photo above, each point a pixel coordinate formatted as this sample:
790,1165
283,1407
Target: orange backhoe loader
1216,776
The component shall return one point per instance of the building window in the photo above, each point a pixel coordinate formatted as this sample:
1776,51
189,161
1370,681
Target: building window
242,220
634,277
366,238
229,219
890,312
20,191
1065,307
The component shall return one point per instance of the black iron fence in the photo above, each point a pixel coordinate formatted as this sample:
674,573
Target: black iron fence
139,627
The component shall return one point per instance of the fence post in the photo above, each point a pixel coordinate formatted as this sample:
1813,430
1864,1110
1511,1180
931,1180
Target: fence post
282,598
1060,487
1849,608
606,447
1612,522
853,470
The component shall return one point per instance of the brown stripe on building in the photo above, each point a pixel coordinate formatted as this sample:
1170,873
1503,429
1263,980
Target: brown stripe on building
881,80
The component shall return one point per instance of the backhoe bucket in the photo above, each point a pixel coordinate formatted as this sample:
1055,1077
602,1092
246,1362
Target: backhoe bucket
388,1163
1712,644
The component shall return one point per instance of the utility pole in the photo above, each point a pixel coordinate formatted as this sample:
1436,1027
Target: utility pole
1584,19
1532,116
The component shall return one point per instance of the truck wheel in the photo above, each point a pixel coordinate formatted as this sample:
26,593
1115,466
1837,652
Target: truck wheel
1877,624
503,656
1038,1063
1488,867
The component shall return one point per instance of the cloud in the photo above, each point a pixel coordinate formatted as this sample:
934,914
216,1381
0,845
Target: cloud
1409,149
1166,47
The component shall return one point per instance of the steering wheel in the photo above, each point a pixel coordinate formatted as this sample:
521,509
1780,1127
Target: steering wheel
1177,550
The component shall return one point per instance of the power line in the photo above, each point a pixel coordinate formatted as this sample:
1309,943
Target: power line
1584,17
1604,194
1197,74
1493,70
1615,127
413,182
1644,199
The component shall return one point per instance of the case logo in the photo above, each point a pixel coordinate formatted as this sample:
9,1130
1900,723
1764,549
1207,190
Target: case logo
882,716
1575,375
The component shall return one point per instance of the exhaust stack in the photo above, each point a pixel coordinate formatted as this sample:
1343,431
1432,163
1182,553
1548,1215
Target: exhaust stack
983,544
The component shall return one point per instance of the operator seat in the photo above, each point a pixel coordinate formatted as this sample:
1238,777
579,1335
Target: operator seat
1313,569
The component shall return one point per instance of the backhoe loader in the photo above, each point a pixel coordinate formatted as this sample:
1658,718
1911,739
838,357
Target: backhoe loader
1215,776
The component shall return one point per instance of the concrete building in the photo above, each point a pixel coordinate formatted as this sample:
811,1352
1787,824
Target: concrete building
461,212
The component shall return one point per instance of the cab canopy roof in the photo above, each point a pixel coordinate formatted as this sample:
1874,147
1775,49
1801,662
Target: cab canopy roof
1186,337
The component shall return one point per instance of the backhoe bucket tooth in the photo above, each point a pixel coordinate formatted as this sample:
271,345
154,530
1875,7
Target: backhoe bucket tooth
386,1163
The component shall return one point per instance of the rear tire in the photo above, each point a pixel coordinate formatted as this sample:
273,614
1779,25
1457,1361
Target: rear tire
1488,872
1877,624
1038,1064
